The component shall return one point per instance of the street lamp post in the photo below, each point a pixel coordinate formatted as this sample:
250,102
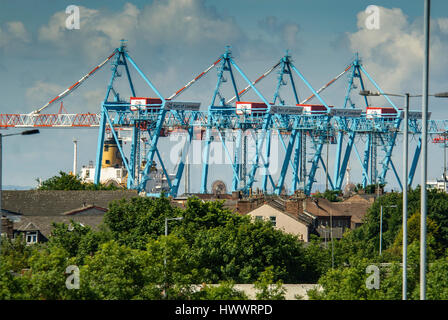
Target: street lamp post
24,133
405,168
405,197
164,259
423,197
381,227
331,236
444,163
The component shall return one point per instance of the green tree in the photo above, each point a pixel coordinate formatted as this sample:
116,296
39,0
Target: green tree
266,288
115,272
12,285
46,277
342,284
68,236
66,181
241,252
437,280
224,291
330,195
15,253
413,227
78,240
132,222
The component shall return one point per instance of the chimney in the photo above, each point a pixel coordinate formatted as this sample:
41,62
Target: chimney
7,227
294,206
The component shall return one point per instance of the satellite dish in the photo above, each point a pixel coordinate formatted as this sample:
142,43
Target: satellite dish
219,187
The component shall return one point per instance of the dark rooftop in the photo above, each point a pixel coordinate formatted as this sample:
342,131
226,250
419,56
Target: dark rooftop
58,202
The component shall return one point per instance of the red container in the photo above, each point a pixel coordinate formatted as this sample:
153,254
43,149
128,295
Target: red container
139,103
380,112
313,108
253,108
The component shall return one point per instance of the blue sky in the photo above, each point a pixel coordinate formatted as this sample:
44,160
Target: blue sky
173,40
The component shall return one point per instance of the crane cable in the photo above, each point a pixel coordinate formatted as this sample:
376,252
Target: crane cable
327,85
178,92
74,86
253,83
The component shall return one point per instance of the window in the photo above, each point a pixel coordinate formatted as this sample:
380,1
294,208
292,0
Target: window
258,218
87,173
273,220
107,161
119,173
31,237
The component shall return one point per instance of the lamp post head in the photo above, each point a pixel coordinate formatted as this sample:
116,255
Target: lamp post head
365,93
29,132
177,218
441,95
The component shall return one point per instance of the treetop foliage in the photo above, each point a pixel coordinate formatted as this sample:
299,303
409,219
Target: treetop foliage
65,181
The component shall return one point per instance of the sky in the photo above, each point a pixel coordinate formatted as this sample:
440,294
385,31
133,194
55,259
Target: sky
174,40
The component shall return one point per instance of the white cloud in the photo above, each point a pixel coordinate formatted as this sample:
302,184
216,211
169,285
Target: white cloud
286,34
93,37
41,92
93,99
161,26
17,30
188,22
394,53
13,33
443,25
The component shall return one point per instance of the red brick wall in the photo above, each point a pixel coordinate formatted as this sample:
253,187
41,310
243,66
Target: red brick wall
294,206
7,227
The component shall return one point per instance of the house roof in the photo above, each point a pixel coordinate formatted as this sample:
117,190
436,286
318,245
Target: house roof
300,217
57,202
355,208
90,210
44,224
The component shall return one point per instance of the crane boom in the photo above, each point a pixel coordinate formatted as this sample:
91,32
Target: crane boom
178,92
59,120
75,85
327,85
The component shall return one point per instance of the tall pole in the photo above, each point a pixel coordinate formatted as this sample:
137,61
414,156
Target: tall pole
405,195
423,208
381,227
331,236
326,168
1,211
164,256
444,163
187,174
75,155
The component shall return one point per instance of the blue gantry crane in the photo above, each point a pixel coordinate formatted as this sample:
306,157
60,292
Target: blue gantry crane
303,129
